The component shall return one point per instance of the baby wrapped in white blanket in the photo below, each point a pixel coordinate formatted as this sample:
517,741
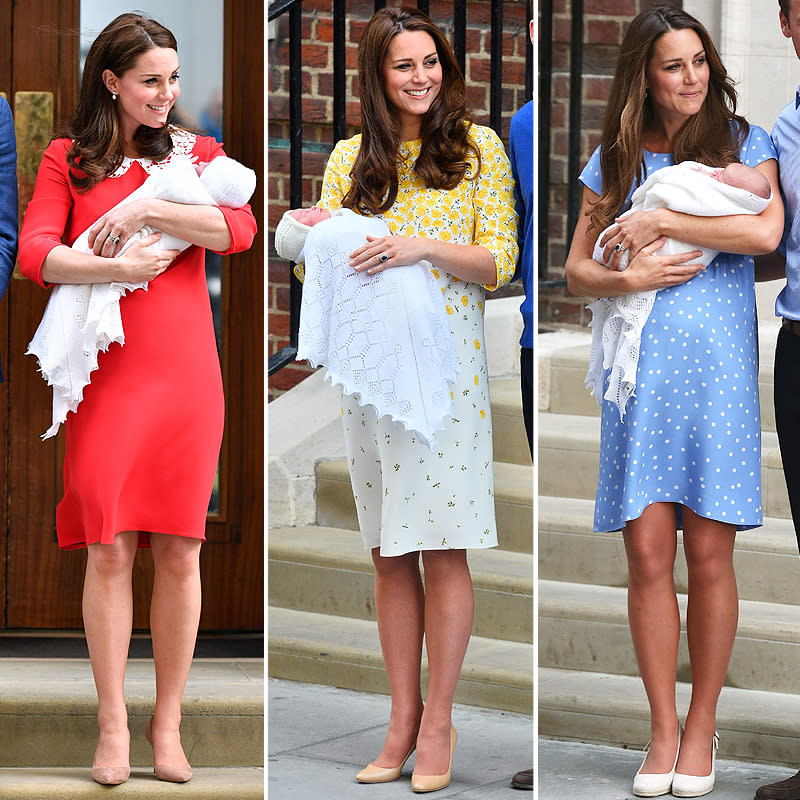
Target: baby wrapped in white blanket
384,337
617,322
80,320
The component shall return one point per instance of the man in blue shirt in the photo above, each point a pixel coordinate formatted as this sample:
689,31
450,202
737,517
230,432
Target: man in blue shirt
786,261
9,204
520,146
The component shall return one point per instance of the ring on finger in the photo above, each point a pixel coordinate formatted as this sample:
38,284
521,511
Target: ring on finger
383,258
114,240
619,248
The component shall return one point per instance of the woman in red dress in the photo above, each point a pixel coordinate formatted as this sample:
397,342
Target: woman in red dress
142,449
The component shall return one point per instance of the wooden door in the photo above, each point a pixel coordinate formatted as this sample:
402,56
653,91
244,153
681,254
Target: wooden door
41,585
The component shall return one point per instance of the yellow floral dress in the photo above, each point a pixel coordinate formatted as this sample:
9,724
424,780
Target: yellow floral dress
408,496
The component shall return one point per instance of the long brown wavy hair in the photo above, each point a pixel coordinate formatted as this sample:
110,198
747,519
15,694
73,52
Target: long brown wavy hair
444,158
97,147
713,136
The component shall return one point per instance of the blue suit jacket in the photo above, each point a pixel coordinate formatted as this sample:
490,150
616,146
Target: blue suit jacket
9,202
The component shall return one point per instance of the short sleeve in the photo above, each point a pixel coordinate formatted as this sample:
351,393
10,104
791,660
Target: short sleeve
591,177
757,148
495,216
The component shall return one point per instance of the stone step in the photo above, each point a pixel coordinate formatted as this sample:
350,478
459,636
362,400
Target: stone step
513,502
345,652
766,559
585,627
48,713
509,440
328,571
612,709
566,368
243,783
569,448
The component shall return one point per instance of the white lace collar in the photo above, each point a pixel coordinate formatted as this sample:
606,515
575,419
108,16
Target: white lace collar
182,144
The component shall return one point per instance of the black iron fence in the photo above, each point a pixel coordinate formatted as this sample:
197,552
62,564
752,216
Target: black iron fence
294,10
573,130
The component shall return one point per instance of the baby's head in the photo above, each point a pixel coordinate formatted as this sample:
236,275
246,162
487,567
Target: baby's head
746,178
291,232
310,216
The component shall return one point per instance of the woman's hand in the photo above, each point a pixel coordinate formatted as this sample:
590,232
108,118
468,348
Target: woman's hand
142,262
109,234
382,252
632,232
647,271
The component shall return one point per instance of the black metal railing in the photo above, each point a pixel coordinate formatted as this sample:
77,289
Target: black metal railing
573,130
294,9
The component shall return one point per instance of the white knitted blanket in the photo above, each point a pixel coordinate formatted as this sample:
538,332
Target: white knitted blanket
81,320
617,322
384,338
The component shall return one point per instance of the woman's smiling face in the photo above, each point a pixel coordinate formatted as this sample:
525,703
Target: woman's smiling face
412,78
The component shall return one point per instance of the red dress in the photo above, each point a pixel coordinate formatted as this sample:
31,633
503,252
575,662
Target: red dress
143,446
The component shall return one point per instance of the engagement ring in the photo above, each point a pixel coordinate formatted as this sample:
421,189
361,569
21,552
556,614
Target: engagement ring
384,257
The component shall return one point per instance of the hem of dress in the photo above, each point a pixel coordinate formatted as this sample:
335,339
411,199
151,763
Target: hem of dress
402,552
740,526
143,543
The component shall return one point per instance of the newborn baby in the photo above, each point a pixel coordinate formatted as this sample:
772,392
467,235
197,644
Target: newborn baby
617,322
384,337
81,320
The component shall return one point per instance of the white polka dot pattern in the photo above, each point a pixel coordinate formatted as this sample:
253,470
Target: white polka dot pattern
692,433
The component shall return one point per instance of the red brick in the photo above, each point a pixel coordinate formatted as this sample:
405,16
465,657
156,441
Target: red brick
315,110
278,324
600,31
619,8
317,55
562,30
597,87
478,69
324,30
278,160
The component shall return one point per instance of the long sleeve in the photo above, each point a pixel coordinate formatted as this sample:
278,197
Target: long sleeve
240,221
47,213
495,217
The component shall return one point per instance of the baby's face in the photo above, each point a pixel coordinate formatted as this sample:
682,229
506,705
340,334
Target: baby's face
310,216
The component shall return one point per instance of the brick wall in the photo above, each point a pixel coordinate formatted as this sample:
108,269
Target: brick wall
604,24
317,46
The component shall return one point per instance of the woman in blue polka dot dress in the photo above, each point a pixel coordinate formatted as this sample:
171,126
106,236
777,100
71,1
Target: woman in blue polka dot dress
687,452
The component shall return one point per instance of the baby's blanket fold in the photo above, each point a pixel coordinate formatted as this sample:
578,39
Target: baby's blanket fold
383,338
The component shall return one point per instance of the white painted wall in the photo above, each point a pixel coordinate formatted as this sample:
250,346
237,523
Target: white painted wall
198,26
754,51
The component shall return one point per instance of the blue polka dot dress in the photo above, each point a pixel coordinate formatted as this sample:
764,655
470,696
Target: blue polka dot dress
691,435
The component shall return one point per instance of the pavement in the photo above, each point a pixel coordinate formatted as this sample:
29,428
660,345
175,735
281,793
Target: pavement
318,737
575,771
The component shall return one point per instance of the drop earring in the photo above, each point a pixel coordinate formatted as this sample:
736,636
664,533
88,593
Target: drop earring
113,95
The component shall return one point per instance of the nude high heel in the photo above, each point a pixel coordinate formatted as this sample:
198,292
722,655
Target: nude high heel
167,772
110,776
432,783
373,774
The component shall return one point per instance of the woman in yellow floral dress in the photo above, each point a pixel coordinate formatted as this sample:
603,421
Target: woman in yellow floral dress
444,187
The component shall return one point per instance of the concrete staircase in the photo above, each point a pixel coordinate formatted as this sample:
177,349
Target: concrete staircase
589,689
48,731
322,625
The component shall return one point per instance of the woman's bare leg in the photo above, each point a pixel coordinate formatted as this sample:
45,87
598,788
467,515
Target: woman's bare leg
651,545
107,620
711,621
174,619
400,608
449,608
